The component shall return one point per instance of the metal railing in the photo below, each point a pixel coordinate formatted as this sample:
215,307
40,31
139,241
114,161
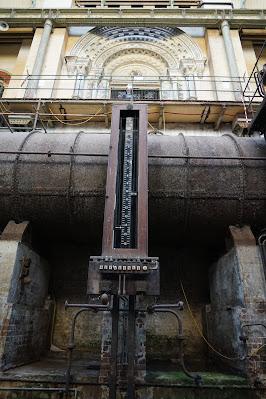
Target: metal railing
257,80
135,95
144,88
138,3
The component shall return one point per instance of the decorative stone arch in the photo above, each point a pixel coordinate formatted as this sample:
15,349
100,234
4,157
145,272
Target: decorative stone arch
171,51
159,64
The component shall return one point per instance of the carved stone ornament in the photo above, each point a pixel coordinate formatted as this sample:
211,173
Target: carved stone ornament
77,65
165,49
192,67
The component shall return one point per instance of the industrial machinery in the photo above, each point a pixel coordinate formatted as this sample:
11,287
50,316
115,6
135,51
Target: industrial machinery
198,186
124,267
124,271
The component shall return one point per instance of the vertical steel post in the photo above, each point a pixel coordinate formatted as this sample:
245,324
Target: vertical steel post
231,60
113,368
131,348
39,60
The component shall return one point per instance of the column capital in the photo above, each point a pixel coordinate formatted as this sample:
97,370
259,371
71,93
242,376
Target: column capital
225,23
48,22
76,65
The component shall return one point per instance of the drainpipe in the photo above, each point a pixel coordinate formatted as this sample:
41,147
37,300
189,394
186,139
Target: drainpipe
39,60
231,60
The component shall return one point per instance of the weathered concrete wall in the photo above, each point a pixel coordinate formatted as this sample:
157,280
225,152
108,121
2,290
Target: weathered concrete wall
237,293
69,282
69,275
24,309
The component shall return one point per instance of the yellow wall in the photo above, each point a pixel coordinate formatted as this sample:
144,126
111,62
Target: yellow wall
19,59
8,56
218,65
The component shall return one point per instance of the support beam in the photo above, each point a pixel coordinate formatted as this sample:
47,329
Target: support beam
220,118
127,16
231,59
39,60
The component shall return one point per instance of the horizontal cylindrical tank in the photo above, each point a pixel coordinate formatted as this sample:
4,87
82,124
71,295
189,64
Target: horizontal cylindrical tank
62,193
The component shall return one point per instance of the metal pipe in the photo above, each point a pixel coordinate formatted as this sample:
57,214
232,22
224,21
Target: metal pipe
61,188
71,346
89,306
203,386
231,59
196,377
35,389
137,384
33,83
178,306
82,154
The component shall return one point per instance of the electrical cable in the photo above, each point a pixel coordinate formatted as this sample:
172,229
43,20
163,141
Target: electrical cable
253,353
201,333
75,123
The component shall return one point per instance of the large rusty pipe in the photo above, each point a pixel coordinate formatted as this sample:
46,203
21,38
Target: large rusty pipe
63,195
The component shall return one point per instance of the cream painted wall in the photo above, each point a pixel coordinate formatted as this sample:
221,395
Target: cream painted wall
36,3
30,57
203,85
60,45
249,55
53,63
250,59
8,56
65,86
219,65
241,62
16,82
249,4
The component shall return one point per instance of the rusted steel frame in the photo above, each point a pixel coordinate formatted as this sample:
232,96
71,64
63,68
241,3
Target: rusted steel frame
90,306
37,117
131,348
142,188
81,154
7,123
114,346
